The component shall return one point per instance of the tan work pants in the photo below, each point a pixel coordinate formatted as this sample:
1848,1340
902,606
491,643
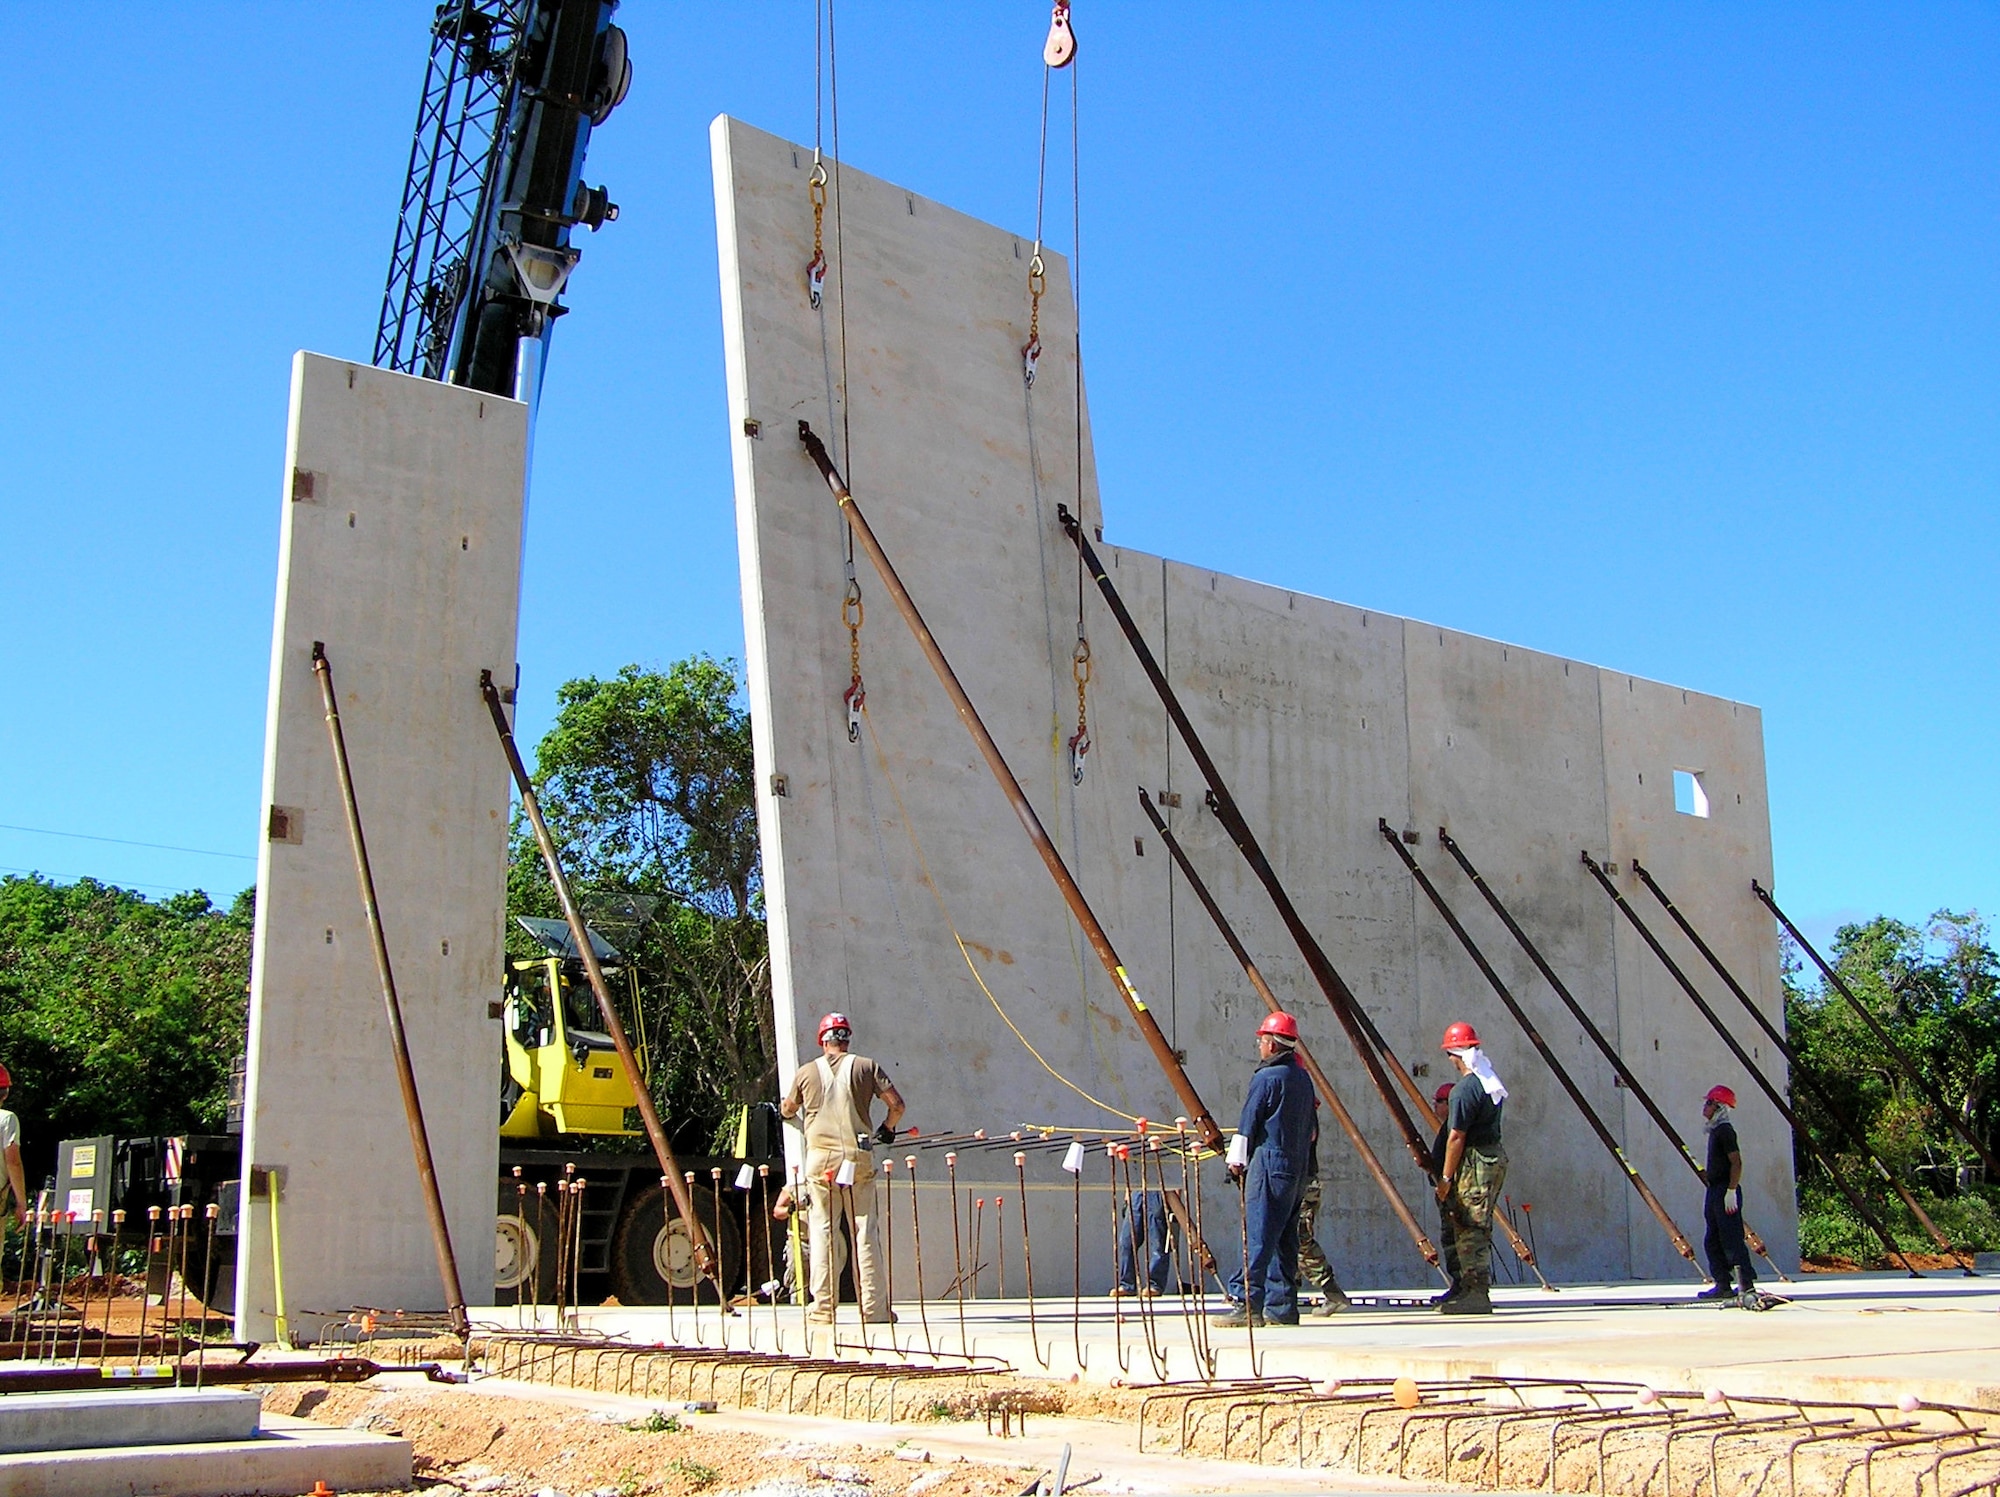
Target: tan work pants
856,1204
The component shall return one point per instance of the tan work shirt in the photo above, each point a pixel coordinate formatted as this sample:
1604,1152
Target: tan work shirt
834,1096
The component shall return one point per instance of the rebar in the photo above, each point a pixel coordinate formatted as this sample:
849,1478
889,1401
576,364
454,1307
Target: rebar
146,1281
111,1293
957,1249
90,1257
212,1212
917,1252
1028,1256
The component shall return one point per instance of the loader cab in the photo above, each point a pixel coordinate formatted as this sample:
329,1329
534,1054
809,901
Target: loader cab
561,1073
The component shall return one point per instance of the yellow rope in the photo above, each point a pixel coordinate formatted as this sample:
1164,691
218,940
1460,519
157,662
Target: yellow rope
923,863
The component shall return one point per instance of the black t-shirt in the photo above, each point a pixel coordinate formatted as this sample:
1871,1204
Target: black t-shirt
1474,1114
1721,1144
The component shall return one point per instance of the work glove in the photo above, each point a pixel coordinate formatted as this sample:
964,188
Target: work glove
885,1135
1732,1200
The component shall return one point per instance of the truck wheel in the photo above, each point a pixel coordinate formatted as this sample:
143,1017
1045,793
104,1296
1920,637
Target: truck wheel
523,1273
652,1253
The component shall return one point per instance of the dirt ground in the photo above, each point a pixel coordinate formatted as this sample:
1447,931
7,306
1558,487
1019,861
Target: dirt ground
515,1447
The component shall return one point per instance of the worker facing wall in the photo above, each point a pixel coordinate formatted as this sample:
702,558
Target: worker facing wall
898,879
399,550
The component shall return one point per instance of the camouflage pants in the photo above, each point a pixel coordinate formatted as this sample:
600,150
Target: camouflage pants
1313,1267
1468,1213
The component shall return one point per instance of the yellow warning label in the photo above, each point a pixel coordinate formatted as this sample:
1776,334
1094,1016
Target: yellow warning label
83,1161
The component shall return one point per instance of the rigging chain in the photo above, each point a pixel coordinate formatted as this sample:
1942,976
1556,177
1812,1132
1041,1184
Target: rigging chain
816,266
1079,745
851,613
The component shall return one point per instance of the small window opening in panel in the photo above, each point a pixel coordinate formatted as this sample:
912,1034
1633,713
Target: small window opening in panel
1690,797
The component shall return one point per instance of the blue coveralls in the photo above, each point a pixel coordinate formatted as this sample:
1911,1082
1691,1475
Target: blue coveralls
1278,1122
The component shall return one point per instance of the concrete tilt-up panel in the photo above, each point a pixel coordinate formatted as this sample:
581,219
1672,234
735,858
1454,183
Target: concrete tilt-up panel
883,855
400,549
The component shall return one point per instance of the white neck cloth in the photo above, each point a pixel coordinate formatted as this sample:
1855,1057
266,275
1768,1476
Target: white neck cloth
1717,1118
1477,1063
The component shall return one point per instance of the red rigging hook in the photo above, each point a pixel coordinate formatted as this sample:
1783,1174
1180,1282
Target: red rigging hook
1060,49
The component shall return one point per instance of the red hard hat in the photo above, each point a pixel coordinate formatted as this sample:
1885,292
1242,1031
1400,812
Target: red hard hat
1443,1093
832,1022
1721,1094
5,1079
1284,1026
1459,1035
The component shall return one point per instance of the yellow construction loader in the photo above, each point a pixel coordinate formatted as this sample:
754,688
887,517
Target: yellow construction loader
562,1090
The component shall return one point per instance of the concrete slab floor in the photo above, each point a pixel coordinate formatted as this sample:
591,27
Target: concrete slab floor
1870,1337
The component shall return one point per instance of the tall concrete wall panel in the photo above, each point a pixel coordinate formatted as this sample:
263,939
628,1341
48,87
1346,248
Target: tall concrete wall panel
400,549
899,880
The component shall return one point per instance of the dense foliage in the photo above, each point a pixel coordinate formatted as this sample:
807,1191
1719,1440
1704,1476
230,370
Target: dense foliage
646,782
118,1014
1936,990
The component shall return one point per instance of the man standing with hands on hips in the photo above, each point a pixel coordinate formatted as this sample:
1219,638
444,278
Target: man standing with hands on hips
832,1098
1475,1166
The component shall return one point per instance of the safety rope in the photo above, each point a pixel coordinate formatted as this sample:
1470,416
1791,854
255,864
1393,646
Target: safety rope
930,883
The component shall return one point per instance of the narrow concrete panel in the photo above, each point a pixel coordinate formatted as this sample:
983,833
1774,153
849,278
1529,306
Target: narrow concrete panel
900,886
80,1421
400,550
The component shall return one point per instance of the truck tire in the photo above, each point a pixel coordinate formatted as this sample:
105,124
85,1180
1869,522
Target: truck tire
524,1257
652,1253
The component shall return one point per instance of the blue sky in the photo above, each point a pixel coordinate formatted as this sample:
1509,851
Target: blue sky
1658,336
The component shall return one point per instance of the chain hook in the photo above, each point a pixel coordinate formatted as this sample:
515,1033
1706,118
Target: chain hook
1079,744
856,695
1038,282
816,266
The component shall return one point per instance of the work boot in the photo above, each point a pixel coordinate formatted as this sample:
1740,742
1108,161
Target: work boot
1717,1292
1448,1296
1333,1304
1237,1319
1473,1298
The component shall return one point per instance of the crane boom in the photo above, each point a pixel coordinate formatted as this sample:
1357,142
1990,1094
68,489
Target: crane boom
495,187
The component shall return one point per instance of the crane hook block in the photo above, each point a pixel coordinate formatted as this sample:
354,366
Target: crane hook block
1060,49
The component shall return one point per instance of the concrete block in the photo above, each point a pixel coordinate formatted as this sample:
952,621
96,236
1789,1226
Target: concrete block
79,1421
1324,716
290,1457
400,548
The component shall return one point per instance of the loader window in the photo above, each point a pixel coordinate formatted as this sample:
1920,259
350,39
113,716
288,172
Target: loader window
533,1017
579,1003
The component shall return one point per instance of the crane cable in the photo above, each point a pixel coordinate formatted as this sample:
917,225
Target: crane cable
930,883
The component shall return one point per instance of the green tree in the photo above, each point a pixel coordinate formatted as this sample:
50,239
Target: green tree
647,785
118,1014
1936,989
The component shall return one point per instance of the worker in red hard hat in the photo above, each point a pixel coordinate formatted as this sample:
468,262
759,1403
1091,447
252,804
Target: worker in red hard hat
832,1099
15,1200
1473,1169
1270,1156
1722,1203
